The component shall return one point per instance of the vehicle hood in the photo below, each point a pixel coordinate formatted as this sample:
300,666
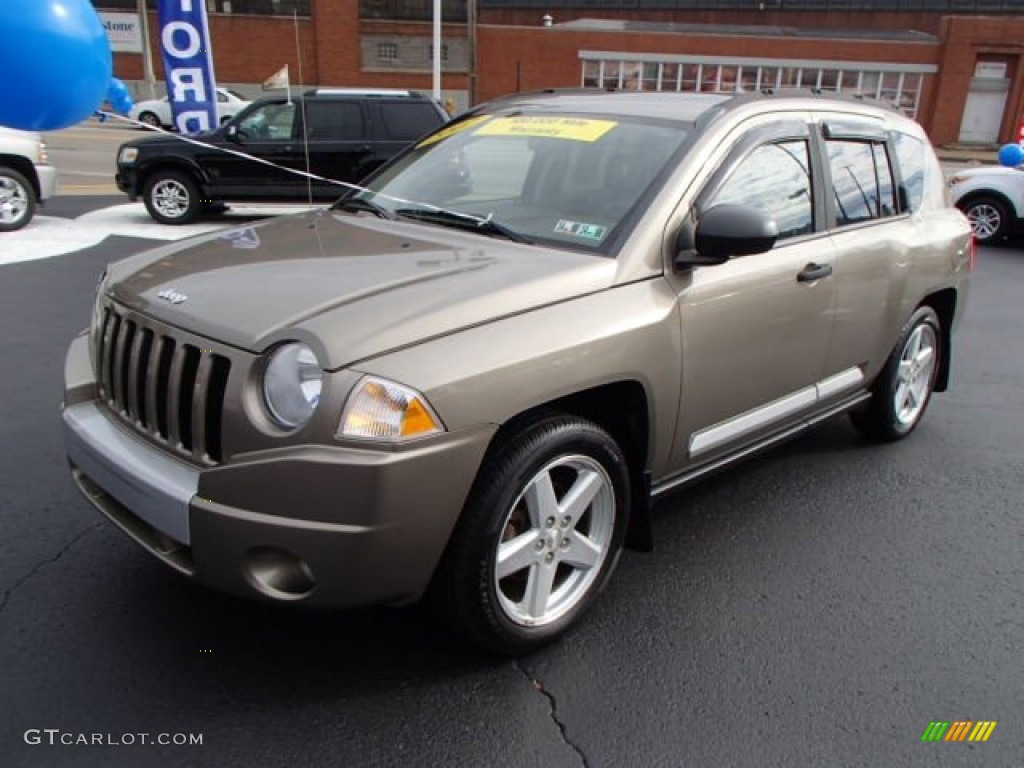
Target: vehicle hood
989,171
353,286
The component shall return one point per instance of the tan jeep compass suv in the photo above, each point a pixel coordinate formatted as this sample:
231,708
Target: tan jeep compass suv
469,379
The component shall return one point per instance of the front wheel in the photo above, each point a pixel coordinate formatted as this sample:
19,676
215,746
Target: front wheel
904,387
17,200
150,119
539,537
172,197
989,218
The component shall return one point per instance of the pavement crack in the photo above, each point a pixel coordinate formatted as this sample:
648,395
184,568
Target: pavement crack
40,565
552,711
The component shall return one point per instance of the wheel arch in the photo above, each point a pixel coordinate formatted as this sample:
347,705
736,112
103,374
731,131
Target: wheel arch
944,304
23,166
622,409
988,192
146,172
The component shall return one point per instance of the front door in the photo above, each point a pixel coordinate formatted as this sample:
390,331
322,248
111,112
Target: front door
256,164
757,327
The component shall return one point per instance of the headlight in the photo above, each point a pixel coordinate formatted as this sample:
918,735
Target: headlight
128,155
292,383
383,410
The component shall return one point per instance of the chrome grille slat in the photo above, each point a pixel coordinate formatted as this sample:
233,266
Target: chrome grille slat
174,396
199,392
131,395
166,388
117,372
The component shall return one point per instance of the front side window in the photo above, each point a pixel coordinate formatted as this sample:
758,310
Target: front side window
561,179
862,183
269,121
776,180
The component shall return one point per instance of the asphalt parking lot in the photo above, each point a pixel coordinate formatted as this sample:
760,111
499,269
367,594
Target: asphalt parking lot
818,606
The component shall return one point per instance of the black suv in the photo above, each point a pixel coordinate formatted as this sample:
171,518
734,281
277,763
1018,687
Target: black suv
349,133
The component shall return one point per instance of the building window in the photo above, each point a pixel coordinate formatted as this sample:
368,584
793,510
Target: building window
444,51
387,52
897,85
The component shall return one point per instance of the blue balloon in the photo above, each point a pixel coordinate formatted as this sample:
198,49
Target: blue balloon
1011,155
119,97
56,63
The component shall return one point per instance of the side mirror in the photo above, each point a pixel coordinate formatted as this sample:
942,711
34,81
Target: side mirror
231,133
725,231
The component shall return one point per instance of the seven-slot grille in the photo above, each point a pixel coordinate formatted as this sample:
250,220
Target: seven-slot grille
171,390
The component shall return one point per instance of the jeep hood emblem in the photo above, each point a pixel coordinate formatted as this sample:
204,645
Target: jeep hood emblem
172,296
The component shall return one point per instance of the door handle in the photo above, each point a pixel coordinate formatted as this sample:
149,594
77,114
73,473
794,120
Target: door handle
813,272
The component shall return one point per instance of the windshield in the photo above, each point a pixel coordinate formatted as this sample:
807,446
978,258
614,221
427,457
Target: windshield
557,179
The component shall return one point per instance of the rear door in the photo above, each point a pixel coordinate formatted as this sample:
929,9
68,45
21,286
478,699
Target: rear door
340,147
873,237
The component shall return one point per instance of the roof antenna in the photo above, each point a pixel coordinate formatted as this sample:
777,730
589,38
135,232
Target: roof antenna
302,107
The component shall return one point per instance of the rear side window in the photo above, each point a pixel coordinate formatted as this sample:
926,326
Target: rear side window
407,121
913,168
862,182
335,120
776,180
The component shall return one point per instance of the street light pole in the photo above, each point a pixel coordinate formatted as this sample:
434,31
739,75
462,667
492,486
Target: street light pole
147,54
437,50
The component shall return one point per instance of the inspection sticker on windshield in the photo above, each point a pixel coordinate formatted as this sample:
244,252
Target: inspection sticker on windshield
593,232
572,128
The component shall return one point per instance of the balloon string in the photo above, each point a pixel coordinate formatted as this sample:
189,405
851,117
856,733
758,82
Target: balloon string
479,220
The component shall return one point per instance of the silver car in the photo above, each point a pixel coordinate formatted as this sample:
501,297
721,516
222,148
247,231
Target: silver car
468,380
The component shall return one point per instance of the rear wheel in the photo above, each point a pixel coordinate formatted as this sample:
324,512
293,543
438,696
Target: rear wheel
904,387
989,218
172,197
539,537
17,200
150,119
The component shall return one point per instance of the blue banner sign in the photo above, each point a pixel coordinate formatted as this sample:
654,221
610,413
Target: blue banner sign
188,64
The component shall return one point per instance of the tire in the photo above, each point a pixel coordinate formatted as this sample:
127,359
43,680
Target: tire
904,387
172,197
151,119
989,218
519,571
17,200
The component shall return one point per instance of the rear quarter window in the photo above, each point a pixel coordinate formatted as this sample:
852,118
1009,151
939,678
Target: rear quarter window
922,177
408,121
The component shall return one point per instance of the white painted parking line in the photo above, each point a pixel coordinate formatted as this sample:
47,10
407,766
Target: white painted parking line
49,236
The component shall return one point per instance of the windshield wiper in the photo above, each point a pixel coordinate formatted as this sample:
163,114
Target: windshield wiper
362,204
487,226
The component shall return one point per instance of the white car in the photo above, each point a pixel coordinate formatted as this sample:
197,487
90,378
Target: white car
992,198
157,112
26,177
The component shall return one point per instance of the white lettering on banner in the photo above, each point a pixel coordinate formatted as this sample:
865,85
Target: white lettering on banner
188,80
194,41
202,121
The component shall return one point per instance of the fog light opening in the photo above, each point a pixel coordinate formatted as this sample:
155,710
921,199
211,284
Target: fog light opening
278,573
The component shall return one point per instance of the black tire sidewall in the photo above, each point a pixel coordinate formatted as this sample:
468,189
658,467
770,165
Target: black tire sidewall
502,478
194,203
30,196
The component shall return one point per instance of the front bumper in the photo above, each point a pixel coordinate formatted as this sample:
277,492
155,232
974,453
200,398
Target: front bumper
47,181
326,525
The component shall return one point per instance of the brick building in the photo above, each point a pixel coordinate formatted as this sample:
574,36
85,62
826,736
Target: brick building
960,74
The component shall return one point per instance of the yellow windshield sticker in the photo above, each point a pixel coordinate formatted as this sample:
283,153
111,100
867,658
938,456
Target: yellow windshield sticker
572,128
444,133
